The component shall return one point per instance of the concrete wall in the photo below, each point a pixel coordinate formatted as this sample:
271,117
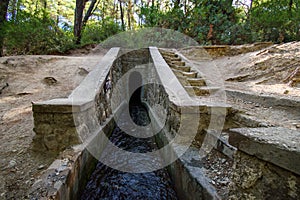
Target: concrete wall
61,123
267,163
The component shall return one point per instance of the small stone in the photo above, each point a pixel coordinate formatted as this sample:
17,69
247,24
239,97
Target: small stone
82,71
57,185
41,167
213,182
223,160
223,182
49,81
285,145
263,124
286,92
12,164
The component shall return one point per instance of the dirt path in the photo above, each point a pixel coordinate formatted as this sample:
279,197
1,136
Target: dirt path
31,79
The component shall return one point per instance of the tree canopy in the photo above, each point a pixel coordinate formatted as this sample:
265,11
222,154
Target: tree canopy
53,26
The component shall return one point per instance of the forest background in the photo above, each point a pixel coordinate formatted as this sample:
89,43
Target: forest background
56,26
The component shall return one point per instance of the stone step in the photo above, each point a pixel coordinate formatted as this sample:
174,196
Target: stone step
196,81
178,63
181,68
172,59
169,54
191,74
201,91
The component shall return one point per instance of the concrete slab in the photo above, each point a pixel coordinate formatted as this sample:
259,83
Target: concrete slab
280,146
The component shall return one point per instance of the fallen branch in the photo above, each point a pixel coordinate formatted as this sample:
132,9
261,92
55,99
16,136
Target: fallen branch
293,75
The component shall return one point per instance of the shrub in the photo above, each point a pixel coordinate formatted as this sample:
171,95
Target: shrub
30,34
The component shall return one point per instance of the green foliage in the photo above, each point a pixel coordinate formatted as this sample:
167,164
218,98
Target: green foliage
196,21
32,34
43,27
143,38
97,31
275,20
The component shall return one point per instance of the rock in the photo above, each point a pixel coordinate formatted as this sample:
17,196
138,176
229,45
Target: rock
262,124
49,81
12,164
57,185
82,71
41,167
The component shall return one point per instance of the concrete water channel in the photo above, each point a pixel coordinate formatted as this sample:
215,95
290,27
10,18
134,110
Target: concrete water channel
183,134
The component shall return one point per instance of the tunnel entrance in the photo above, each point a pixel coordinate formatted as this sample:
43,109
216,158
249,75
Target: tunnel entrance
135,88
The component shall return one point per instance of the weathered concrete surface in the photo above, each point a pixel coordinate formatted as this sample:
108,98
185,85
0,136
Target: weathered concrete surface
268,100
257,179
189,179
267,163
277,145
68,175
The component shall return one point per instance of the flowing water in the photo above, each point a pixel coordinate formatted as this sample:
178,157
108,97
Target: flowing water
109,183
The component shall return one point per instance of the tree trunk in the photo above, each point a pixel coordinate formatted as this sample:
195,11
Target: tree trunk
80,4
250,10
3,12
45,9
122,16
89,13
291,2
129,9
291,5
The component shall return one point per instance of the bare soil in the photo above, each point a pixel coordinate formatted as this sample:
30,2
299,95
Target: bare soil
266,72
38,78
31,79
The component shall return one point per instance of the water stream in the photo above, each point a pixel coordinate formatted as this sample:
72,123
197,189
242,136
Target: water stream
109,183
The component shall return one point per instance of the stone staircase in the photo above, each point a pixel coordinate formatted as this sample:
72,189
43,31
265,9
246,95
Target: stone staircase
192,81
